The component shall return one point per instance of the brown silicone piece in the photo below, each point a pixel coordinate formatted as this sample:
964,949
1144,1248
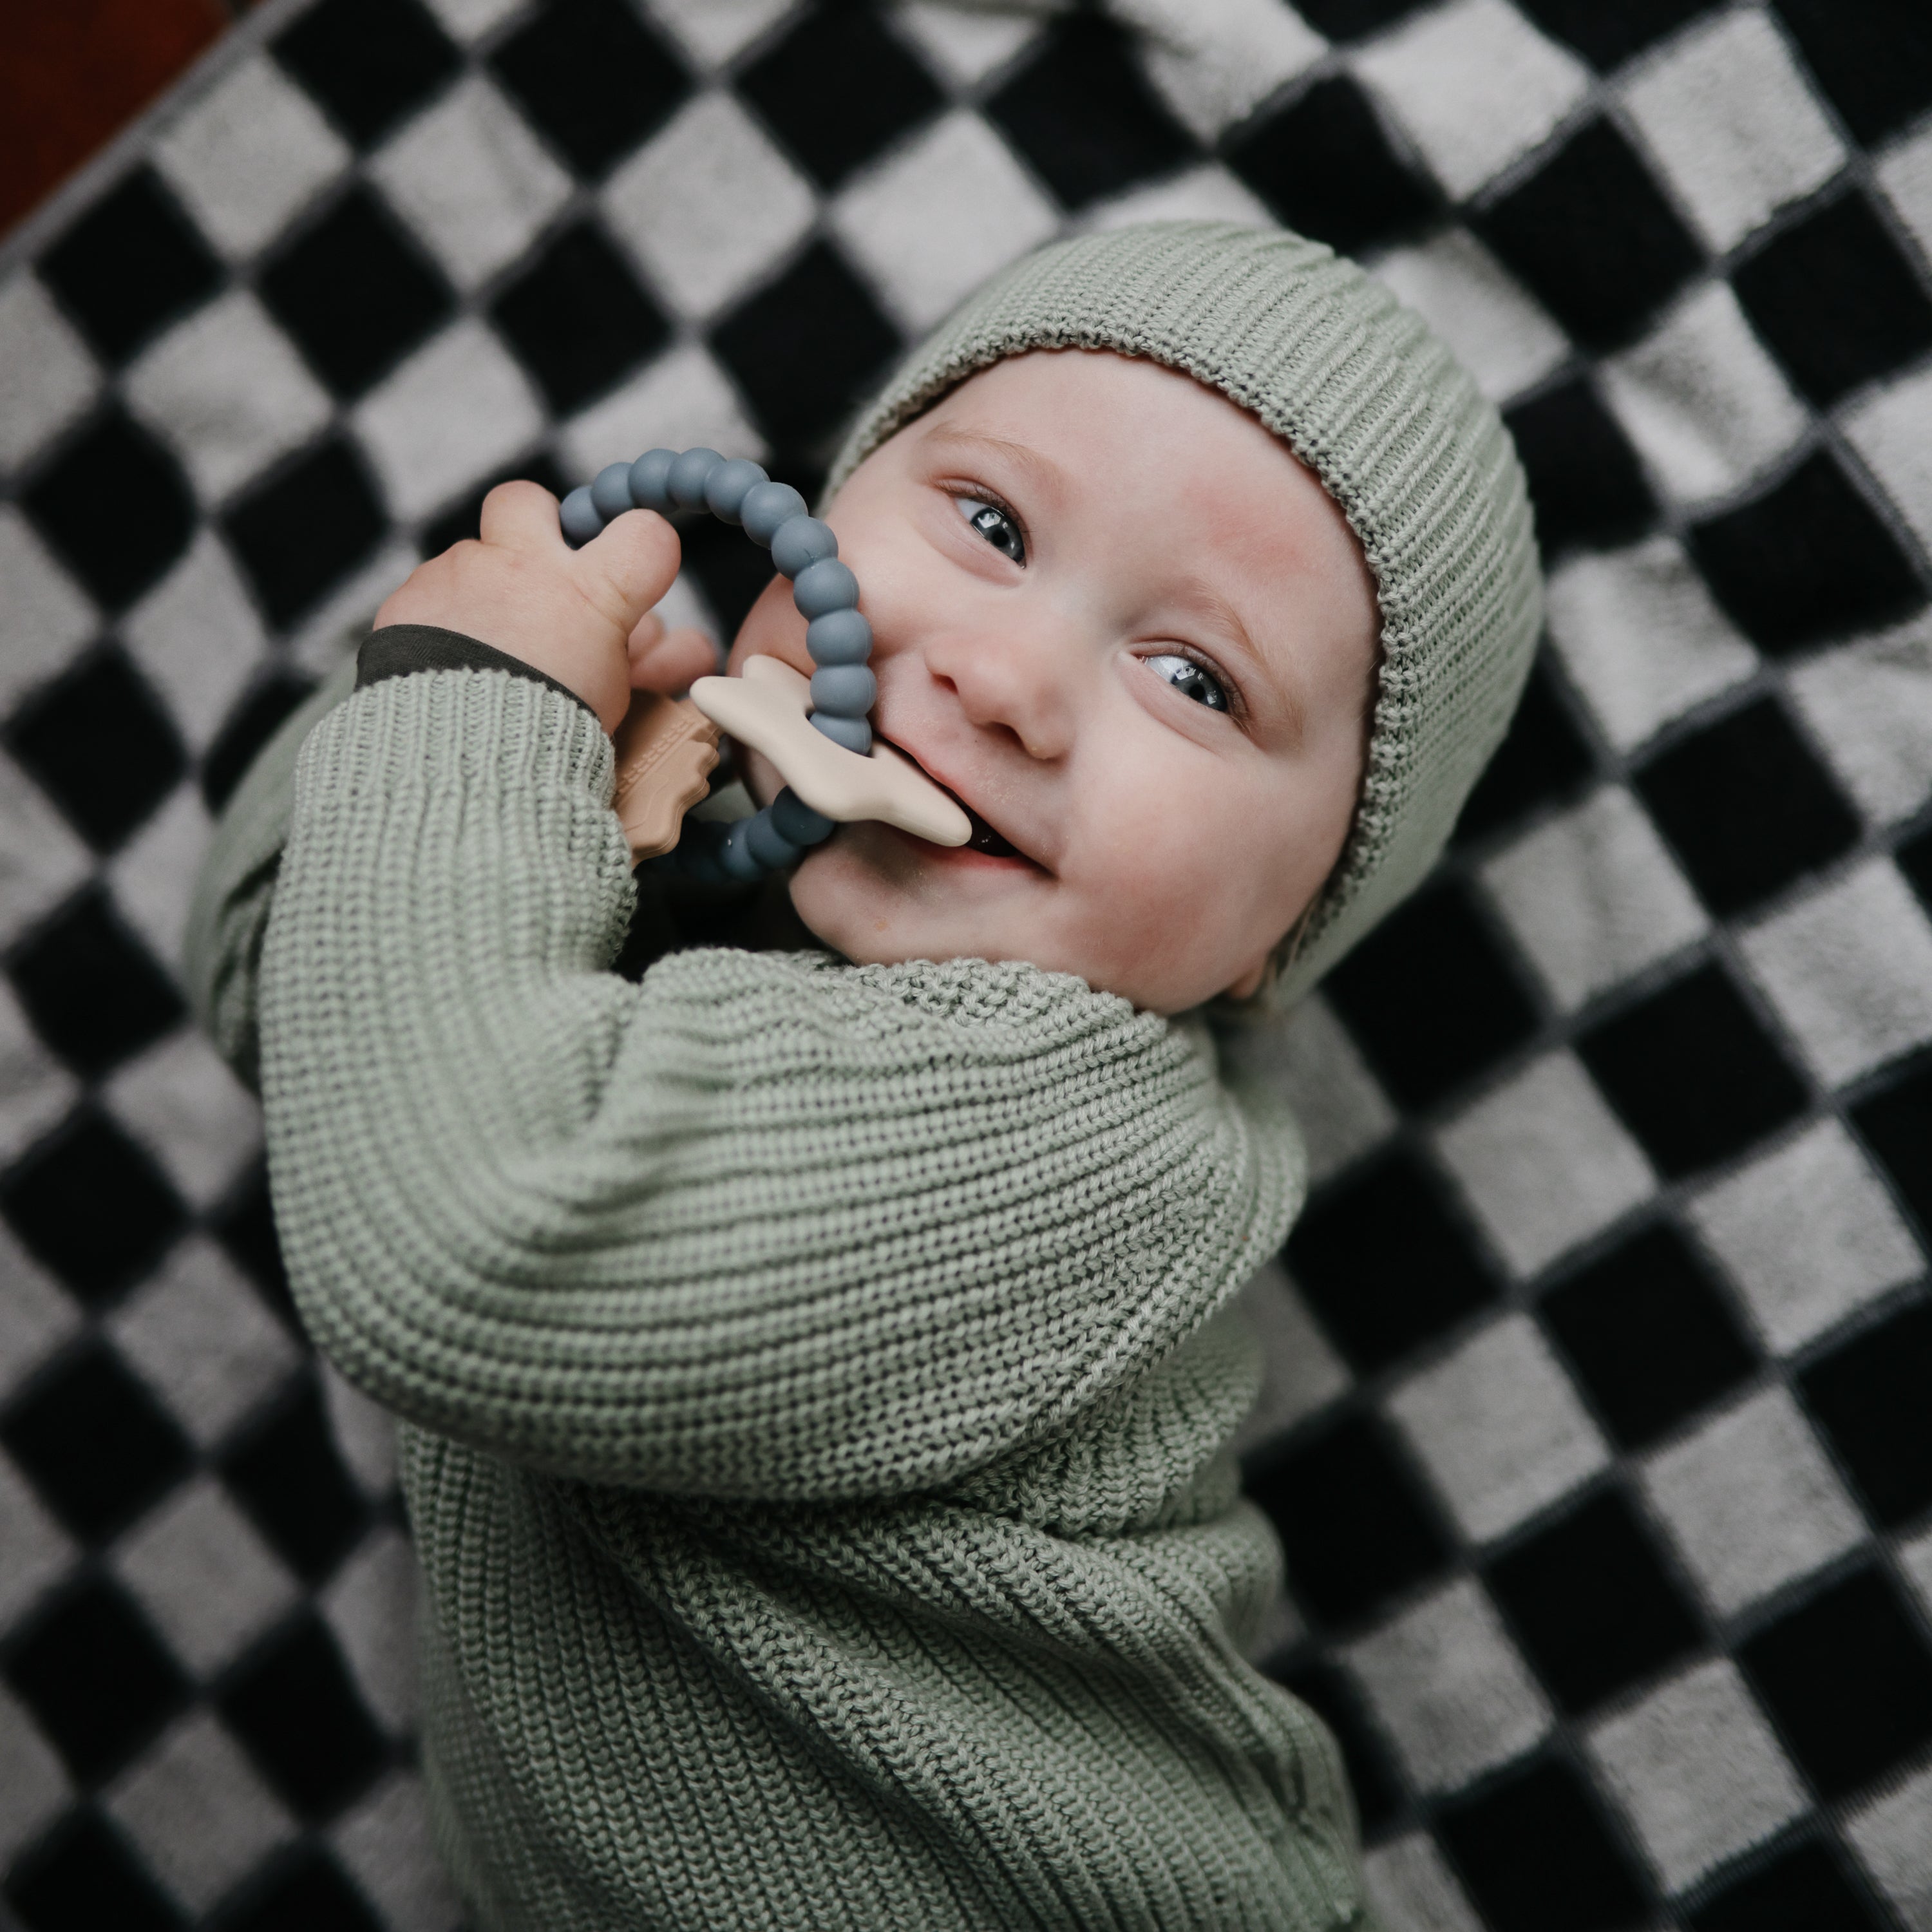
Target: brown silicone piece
666,748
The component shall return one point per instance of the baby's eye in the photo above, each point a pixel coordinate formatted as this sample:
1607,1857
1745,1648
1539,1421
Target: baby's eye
995,526
1190,679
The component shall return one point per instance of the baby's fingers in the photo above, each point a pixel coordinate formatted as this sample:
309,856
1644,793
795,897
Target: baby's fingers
522,517
627,569
670,661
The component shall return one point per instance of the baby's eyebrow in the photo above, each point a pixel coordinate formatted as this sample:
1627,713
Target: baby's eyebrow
1042,469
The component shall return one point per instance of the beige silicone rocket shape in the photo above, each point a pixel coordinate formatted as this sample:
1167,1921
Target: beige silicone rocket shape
767,708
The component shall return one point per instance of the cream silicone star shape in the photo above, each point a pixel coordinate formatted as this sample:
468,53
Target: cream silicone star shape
768,708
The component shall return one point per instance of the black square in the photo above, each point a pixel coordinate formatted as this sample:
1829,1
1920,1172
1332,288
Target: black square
1544,759
1694,1076
1593,1608
1592,235
1874,59
91,1205
306,527
101,745
1354,1524
1869,1398
837,88
92,990
464,518
1586,483
1914,858
593,77
1848,1679
286,1475
95,1677
1606,37
129,265
356,293
308,1893
1808,559
1537,1856
1476,1010
1383,1264
1801,1890
98,1446
1896,1126
805,348
1836,299
245,1227
1081,111
80,503
368,62
1328,1692
1350,19
577,318
250,726
1746,806
293,1707
1650,1334
83,1876
1324,164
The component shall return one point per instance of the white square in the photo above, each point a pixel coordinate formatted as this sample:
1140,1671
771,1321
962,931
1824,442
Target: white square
201,1816
43,614
709,206
1849,971
370,1604
935,219
1891,1834
36,1089
1750,1501
1307,1057
46,376
1906,175
714,31
169,1559
364,1432
41,859
201,1338
1498,1428
1474,85
1300,1372
1206,193
1808,1233
197,637
1499,332
181,1103
153,876
1697,1771
1449,1687
1544,1162
471,179
1640,636
1892,432
1702,402
385,1841
38,1550
457,410
681,401
1869,704
469,20
248,154
1412,1890
226,389
35,1316
1216,60
1914,1559
1592,896
34,1788
964,45
1730,118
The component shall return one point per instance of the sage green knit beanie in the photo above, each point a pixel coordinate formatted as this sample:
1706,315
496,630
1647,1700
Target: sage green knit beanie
1377,407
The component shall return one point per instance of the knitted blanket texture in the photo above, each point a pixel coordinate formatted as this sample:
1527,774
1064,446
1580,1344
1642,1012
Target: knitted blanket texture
816,1379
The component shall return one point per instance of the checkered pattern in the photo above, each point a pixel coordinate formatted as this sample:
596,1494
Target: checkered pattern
1594,1429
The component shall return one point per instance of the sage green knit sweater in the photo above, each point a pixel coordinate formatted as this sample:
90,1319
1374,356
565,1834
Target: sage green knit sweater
816,1379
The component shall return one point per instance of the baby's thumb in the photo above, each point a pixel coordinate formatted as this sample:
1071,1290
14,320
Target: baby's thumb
626,568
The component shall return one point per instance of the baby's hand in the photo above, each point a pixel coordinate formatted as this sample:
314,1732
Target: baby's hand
580,616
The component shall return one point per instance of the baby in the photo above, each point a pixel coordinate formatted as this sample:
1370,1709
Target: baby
817,1368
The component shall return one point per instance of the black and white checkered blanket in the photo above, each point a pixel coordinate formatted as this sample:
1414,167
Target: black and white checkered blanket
1596,1429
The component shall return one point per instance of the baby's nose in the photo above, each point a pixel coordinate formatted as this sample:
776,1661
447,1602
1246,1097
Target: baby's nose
1010,680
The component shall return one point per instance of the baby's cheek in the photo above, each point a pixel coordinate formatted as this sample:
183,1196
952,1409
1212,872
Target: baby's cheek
773,629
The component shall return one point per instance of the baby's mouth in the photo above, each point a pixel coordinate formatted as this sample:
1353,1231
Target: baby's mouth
983,839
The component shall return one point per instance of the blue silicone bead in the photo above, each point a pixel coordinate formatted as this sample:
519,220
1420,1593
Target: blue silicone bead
650,480
796,821
767,508
610,491
735,855
839,638
724,494
854,733
800,543
688,475
845,690
578,515
769,845
827,585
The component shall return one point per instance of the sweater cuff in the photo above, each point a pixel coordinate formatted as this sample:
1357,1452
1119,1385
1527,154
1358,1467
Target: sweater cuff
398,649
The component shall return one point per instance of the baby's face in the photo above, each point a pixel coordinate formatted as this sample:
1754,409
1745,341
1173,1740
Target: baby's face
1117,619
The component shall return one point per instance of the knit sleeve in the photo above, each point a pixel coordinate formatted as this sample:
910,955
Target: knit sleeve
762,1225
